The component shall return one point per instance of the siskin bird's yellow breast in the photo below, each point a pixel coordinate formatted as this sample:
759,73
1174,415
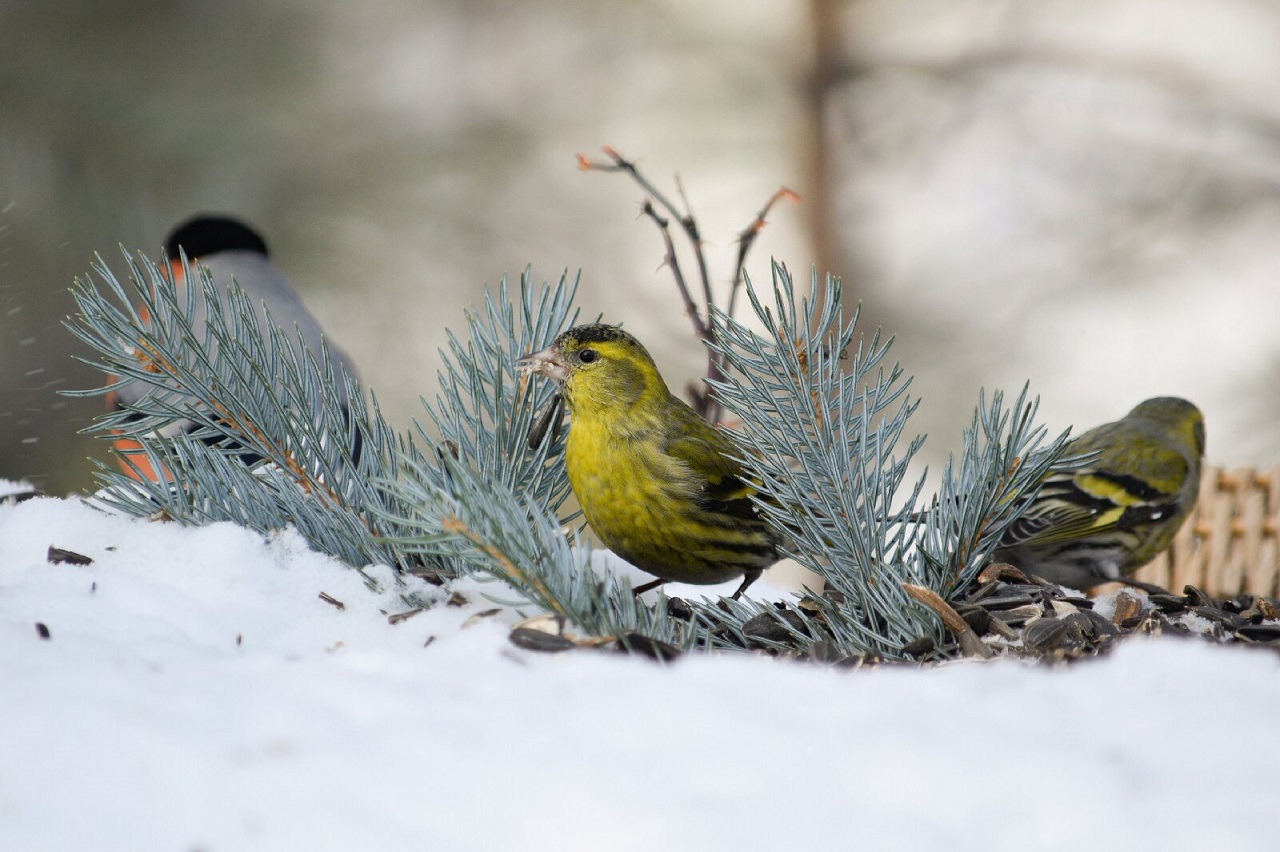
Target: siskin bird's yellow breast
643,505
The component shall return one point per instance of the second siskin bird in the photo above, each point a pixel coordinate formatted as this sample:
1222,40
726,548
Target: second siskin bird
1105,521
655,481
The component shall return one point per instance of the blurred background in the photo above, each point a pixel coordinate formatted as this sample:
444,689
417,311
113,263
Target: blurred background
1082,194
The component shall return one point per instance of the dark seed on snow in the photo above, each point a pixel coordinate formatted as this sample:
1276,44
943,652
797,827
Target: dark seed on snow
1044,634
1169,604
1128,611
679,608
1239,603
810,606
1260,632
978,619
765,626
42,630
1195,597
1080,629
1102,626
637,643
1156,623
332,601
1268,608
823,651
537,640
1133,621
984,592
1007,599
1229,620
58,556
1018,616
396,618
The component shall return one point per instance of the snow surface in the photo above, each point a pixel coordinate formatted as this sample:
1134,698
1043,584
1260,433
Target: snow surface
195,693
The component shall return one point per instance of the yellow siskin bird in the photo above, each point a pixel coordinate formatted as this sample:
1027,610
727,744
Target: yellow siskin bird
1105,521
654,480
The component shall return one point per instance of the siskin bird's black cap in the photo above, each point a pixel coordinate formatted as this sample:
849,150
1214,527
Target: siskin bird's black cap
597,333
203,235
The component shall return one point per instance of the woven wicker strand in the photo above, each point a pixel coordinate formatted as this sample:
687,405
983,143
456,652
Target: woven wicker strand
1229,544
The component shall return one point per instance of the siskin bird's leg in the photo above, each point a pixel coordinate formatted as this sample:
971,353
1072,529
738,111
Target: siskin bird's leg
747,579
652,584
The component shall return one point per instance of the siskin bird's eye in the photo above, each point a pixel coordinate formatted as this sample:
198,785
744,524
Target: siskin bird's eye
586,356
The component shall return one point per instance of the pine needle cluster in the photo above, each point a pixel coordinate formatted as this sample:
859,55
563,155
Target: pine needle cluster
823,422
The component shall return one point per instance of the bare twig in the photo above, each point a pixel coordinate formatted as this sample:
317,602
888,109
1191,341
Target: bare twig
670,261
704,403
621,164
695,237
748,236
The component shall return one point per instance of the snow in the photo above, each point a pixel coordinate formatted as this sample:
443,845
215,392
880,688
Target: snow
195,693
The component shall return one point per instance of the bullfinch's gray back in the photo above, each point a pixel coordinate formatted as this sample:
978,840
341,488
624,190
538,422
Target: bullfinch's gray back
231,250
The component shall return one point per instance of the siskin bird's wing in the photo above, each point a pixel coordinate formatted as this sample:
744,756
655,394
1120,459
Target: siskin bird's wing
707,452
1098,498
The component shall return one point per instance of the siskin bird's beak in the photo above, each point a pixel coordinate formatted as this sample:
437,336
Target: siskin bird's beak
547,362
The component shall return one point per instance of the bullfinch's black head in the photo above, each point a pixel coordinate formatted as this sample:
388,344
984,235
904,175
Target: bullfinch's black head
204,235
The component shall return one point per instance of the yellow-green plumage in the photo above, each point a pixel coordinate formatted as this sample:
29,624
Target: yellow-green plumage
654,479
1108,519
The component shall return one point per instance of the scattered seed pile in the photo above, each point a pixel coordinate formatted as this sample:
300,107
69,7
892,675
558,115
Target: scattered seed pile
1006,613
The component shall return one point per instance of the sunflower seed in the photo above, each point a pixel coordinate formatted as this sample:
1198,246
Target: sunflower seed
1128,611
1010,599
1195,597
332,601
479,616
641,645
1080,629
1044,634
58,556
1229,620
538,640
1269,633
1169,604
1102,626
767,628
1001,629
1238,604
679,608
919,647
978,619
1017,616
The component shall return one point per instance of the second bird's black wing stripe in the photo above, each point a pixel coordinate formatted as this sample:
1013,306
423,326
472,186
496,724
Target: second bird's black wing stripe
1131,484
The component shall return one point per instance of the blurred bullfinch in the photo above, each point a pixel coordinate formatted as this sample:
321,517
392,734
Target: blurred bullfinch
231,250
